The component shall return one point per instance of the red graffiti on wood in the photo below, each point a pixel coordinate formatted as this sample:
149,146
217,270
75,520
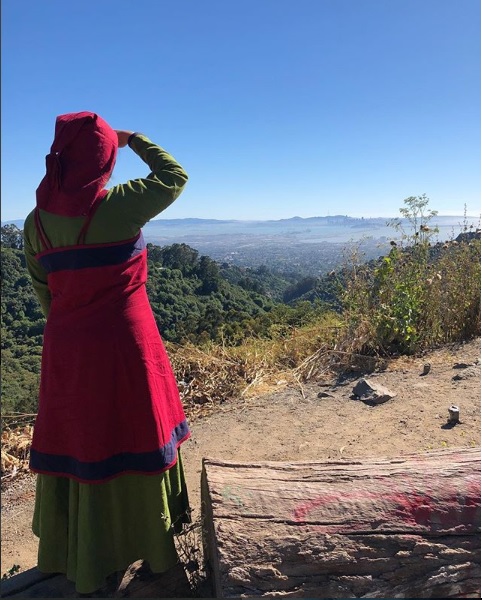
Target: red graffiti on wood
460,509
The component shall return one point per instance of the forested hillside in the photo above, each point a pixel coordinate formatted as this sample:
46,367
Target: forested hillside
193,298
22,328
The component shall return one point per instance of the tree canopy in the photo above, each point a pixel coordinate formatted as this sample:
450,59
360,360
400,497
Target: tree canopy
193,298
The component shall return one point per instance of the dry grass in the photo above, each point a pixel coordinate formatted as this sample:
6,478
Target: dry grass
209,377
217,373
15,450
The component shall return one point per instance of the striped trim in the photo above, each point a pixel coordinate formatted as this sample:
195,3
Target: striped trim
82,257
148,463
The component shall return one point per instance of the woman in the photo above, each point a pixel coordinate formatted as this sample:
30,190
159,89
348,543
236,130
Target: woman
110,485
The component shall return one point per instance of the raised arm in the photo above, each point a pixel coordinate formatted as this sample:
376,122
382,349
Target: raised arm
139,200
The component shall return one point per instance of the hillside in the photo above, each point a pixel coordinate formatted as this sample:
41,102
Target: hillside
194,300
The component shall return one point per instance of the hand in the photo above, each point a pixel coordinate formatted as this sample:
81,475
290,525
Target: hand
123,136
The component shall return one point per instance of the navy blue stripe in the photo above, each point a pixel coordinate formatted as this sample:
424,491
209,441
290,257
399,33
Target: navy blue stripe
144,462
81,258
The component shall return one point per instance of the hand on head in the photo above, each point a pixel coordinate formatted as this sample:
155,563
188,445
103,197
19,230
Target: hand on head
123,136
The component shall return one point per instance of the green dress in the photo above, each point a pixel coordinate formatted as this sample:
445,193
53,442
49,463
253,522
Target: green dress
89,531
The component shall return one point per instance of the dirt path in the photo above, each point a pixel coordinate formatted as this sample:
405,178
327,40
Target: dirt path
298,424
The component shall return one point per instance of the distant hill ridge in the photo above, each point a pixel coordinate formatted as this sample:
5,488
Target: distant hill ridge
193,226
328,220
195,220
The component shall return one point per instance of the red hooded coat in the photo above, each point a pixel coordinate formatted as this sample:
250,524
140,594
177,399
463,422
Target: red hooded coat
108,402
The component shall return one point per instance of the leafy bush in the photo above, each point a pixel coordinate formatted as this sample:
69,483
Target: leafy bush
417,297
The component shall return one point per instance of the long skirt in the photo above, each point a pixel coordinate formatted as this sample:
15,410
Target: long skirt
89,531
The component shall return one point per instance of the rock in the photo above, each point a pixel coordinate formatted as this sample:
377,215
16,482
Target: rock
461,365
325,395
371,392
426,369
454,414
466,373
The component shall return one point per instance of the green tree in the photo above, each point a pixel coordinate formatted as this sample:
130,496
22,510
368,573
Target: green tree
12,237
180,256
208,273
300,288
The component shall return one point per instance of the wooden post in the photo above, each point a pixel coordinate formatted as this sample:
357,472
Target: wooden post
378,528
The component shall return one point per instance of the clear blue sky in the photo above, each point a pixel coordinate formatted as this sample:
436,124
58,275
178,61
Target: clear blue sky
275,108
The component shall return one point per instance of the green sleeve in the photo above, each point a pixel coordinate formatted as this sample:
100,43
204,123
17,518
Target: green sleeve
35,269
139,200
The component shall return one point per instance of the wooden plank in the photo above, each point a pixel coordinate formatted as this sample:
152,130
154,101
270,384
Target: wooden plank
22,581
407,527
51,586
136,583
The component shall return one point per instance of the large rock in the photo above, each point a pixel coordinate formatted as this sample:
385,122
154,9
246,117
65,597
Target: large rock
372,392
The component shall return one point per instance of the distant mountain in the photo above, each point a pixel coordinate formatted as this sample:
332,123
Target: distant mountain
310,228
332,219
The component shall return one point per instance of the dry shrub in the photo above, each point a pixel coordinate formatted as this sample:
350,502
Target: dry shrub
452,300
286,360
217,373
204,376
15,450
190,549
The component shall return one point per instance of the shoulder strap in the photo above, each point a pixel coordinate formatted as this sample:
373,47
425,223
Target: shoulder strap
40,230
83,232
88,219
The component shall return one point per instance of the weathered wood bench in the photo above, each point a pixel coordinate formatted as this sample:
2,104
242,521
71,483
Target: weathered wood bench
391,528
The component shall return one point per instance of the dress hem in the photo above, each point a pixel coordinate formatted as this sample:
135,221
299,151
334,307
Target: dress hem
114,475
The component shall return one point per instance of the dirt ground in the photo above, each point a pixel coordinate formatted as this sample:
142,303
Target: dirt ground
316,421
